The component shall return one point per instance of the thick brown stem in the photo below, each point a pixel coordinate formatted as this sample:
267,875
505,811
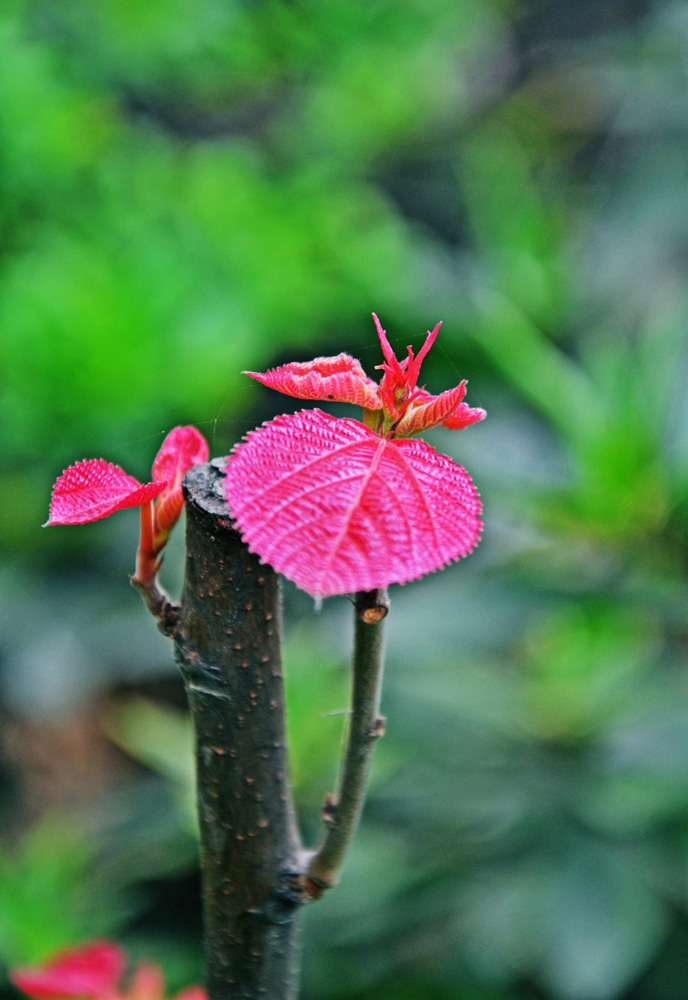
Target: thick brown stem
227,632
228,648
342,813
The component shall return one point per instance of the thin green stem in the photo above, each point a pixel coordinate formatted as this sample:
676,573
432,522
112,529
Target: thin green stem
342,813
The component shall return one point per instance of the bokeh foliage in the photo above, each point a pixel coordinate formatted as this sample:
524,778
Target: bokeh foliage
191,189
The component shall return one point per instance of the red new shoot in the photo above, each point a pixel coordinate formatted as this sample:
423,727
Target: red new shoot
94,488
338,505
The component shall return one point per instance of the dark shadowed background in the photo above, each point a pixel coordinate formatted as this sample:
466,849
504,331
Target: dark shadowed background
189,188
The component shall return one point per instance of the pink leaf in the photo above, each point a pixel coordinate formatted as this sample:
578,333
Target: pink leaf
337,509
92,971
182,448
340,378
464,416
147,982
95,488
432,410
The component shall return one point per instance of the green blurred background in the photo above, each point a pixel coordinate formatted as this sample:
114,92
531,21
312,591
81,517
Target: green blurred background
189,188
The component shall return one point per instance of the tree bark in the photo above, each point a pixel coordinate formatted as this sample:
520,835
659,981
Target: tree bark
228,649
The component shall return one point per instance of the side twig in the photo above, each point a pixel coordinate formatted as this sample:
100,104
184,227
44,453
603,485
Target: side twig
145,579
159,605
342,813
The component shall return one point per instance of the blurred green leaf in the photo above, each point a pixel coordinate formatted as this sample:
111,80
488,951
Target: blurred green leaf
44,894
161,738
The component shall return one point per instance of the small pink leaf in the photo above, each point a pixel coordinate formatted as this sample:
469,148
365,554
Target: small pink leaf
432,410
182,448
337,508
340,378
94,488
464,416
92,971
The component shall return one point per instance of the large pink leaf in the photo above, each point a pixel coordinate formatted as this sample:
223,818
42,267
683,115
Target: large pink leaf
92,971
340,378
95,488
182,448
337,509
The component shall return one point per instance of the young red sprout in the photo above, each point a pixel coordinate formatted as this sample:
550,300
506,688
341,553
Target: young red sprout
94,488
338,505
94,972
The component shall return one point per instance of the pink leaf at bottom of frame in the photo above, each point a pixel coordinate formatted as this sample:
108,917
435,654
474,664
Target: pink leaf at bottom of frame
94,488
147,982
337,509
192,993
92,971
